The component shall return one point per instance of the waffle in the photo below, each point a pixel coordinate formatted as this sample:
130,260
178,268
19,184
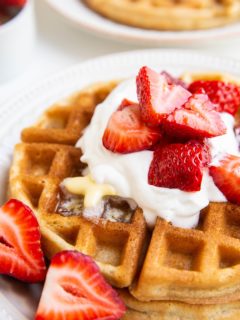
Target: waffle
165,310
196,266
193,265
169,14
37,171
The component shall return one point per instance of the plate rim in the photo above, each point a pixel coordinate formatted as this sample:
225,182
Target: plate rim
150,39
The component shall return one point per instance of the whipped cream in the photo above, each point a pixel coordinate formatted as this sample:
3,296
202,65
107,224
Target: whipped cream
128,173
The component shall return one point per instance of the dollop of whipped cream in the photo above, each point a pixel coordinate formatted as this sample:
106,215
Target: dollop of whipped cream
128,173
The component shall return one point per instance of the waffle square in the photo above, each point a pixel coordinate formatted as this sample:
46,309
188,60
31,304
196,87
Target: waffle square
194,265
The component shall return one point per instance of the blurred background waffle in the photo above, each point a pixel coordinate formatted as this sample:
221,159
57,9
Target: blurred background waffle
198,266
169,14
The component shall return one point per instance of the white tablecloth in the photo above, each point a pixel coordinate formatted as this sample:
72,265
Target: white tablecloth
60,44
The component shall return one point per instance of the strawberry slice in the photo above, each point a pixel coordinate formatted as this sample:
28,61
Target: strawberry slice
75,289
20,251
156,97
226,96
179,165
226,176
126,132
197,119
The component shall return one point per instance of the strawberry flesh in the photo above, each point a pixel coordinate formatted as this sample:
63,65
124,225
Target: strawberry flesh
75,289
20,250
196,119
226,96
156,97
226,176
126,132
179,165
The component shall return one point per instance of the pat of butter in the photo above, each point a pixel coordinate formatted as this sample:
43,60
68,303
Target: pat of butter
92,191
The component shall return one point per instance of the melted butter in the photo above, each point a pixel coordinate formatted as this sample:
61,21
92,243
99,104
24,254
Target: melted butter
93,192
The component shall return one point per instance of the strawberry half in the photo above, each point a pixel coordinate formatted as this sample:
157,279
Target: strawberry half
226,176
75,289
196,119
179,165
156,97
20,250
226,96
126,132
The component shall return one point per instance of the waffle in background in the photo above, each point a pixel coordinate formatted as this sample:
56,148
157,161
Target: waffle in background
169,14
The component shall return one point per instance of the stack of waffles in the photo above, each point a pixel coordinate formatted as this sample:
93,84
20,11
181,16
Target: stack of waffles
169,14
164,273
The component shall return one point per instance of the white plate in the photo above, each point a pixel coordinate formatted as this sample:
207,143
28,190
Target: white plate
20,299
77,13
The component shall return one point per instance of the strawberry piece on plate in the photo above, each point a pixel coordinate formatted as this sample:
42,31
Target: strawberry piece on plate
197,119
179,165
75,289
126,132
226,96
226,176
20,250
156,97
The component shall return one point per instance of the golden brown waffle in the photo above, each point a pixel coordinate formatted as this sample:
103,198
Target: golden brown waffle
194,265
200,265
165,310
63,122
39,168
169,14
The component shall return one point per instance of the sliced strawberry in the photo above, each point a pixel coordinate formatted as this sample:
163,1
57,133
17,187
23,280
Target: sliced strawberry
226,96
75,289
20,250
126,132
226,176
173,80
197,119
179,165
156,97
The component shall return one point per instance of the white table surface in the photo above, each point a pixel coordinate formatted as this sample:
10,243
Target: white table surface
60,44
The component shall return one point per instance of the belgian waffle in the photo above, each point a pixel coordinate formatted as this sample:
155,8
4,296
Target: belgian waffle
37,172
169,14
173,310
197,266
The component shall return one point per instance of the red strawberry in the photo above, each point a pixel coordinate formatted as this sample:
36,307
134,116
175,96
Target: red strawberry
9,3
197,119
156,97
225,95
179,165
75,289
226,176
126,132
20,251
